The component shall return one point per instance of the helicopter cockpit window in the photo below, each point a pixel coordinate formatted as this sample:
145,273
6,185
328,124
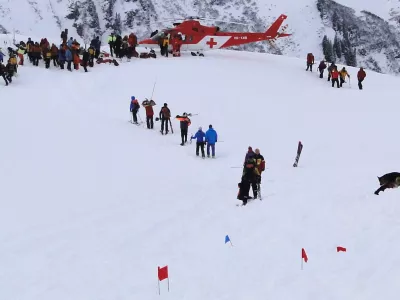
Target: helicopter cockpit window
158,36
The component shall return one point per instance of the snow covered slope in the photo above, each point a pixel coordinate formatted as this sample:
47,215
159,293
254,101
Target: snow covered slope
374,38
91,204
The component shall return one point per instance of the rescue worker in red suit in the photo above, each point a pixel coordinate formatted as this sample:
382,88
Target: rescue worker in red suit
132,42
361,76
335,77
176,45
149,113
310,61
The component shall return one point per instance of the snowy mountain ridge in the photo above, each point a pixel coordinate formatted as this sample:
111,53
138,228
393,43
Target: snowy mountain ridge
366,33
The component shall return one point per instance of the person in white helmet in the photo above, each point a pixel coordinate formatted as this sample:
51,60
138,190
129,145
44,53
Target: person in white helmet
200,137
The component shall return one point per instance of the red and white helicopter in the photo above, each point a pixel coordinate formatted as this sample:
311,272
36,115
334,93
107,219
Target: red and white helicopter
199,38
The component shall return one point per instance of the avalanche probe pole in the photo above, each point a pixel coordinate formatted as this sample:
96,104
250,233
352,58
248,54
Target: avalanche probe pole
154,86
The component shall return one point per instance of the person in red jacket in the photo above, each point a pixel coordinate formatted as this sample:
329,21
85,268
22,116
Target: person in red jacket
148,106
361,76
310,61
335,77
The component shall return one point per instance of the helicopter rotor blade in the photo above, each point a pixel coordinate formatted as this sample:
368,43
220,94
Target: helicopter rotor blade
228,22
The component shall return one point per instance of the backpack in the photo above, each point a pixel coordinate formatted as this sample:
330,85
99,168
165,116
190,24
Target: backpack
165,112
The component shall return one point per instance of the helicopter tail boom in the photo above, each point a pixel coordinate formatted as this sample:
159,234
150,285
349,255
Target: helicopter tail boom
272,31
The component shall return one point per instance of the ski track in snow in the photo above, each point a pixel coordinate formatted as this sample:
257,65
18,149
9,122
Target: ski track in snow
91,205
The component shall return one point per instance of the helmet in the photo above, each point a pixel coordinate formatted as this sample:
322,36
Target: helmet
184,114
133,98
210,126
165,104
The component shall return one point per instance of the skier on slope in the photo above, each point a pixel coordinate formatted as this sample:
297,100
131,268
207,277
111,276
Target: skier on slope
184,124
165,115
388,181
249,178
134,108
200,137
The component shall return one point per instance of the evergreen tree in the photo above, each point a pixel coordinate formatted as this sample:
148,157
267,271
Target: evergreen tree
337,47
73,11
335,21
117,26
327,49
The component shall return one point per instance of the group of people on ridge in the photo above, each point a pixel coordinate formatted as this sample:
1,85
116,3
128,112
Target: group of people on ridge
338,77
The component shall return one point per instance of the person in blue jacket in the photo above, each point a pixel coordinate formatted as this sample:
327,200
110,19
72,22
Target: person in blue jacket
211,139
61,57
200,137
68,57
134,108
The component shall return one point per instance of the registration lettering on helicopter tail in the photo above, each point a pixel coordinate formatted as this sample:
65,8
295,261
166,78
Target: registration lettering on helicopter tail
210,42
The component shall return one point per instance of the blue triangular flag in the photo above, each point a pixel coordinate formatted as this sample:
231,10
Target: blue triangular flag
227,239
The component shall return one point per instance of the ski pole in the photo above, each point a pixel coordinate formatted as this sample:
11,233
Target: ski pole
154,86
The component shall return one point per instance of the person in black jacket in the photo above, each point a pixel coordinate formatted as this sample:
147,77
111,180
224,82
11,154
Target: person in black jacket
3,72
165,115
10,69
185,123
321,69
85,60
249,179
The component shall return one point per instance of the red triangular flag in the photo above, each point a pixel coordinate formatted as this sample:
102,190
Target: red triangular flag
162,273
341,249
304,255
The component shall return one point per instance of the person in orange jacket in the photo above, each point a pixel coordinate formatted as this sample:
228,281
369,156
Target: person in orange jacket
184,125
335,77
361,76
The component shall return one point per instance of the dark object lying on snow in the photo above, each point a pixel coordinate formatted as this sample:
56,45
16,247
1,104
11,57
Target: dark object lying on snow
151,54
388,181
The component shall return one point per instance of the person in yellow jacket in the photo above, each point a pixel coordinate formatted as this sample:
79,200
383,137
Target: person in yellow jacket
13,61
165,44
111,41
343,73
21,51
